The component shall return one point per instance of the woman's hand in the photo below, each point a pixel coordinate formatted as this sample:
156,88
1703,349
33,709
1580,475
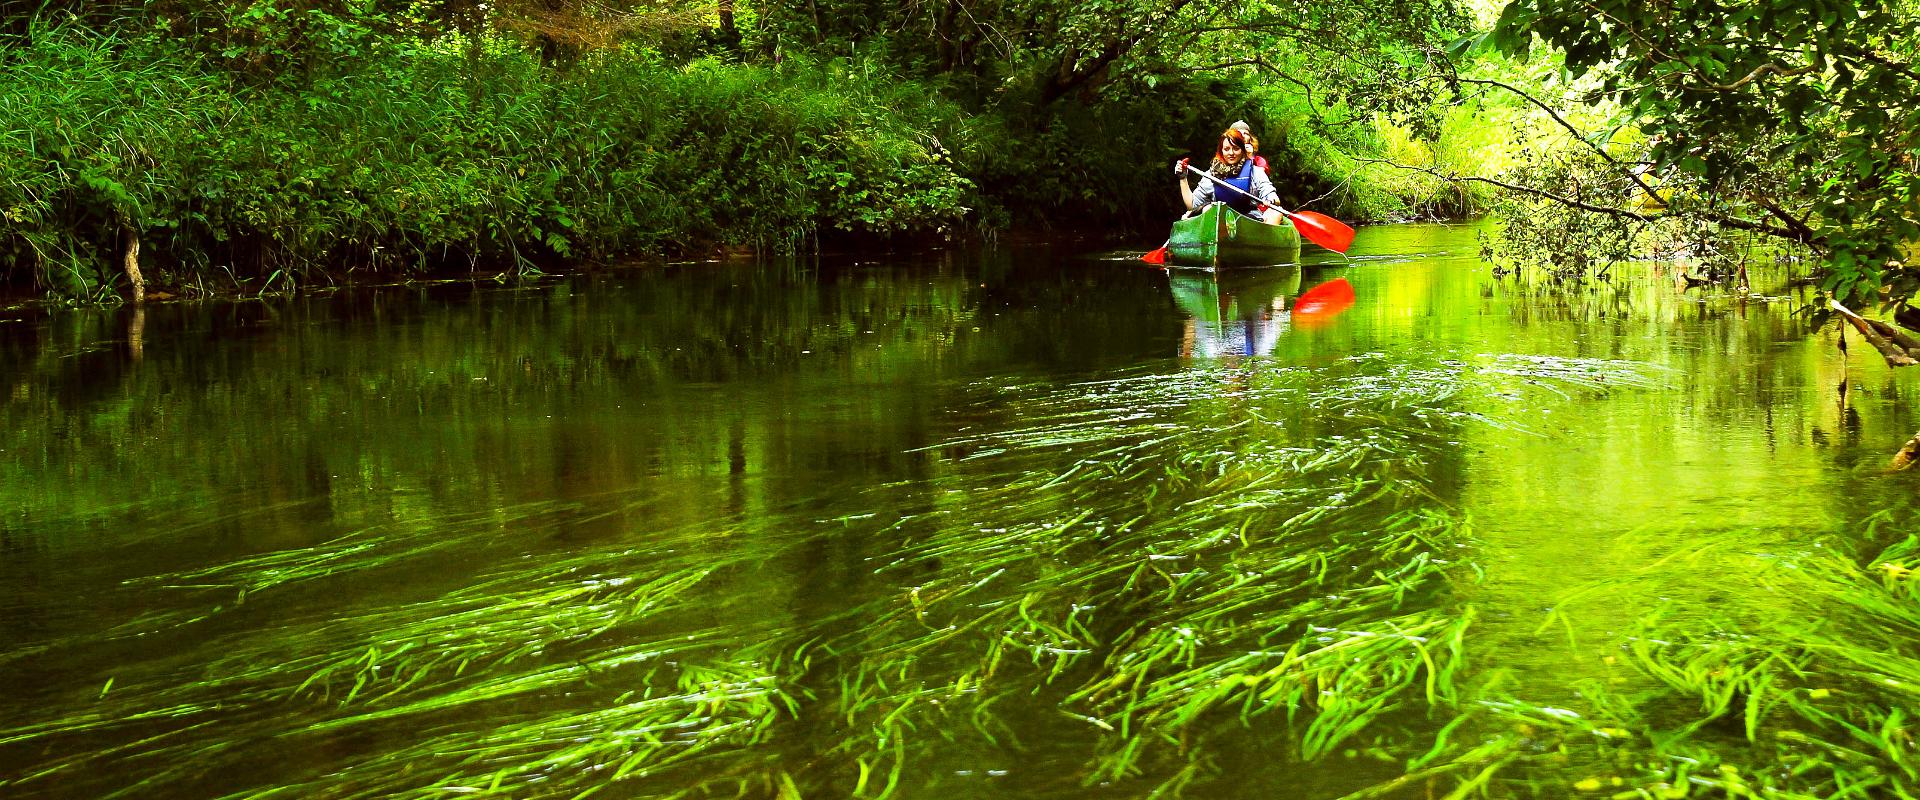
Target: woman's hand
1180,168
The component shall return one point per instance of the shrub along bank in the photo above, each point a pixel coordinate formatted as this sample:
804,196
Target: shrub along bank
435,157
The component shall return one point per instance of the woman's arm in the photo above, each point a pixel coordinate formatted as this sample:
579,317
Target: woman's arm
1263,188
1186,182
1270,197
1200,195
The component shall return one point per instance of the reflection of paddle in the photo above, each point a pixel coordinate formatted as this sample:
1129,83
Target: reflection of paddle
1324,301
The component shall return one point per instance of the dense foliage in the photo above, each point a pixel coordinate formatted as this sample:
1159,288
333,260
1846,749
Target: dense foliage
263,143
254,140
1782,118
430,158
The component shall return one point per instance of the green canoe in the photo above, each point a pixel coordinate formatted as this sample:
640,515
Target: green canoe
1219,237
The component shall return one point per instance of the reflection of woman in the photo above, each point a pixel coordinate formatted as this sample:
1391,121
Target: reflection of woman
1232,165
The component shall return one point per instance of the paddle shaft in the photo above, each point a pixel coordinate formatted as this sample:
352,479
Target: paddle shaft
1217,182
1315,227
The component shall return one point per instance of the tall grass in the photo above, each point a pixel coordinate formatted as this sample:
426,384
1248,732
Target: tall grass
1146,571
431,157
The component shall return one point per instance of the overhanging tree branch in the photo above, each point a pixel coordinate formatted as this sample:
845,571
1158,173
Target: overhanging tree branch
1803,236
1723,219
1802,232
1262,63
1763,69
1577,134
1558,198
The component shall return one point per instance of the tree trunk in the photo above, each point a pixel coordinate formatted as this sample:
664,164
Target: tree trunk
942,38
1071,74
132,263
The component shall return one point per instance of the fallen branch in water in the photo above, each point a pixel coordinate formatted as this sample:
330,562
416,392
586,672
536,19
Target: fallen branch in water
1896,355
1897,336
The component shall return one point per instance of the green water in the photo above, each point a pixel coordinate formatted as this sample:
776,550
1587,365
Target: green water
1012,524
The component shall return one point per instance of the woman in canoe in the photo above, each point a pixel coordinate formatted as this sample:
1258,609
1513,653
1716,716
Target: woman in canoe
1251,194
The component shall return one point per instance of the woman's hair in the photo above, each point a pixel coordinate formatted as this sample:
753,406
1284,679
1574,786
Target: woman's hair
1220,168
1239,138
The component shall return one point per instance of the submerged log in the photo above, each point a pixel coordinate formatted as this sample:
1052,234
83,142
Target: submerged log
1894,354
1907,455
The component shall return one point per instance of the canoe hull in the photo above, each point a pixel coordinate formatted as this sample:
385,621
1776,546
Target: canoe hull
1219,237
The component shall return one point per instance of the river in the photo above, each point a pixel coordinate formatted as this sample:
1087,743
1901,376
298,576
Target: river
1000,523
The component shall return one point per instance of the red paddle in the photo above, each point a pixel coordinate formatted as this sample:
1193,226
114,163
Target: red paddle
1321,229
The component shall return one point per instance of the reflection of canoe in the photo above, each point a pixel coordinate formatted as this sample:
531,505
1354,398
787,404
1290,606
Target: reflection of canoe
1261,288
1233,313
1235,294
1219,237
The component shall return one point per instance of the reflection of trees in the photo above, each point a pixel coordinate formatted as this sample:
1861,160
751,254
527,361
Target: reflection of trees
1725,346
802,525
425,433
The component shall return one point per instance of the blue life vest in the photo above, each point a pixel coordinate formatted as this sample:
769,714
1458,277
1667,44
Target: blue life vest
1242,200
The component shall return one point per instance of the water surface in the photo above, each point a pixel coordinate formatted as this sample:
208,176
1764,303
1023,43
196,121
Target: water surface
1012,523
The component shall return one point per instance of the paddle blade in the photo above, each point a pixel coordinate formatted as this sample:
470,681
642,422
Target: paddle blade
1325,300
1155,256
1322,230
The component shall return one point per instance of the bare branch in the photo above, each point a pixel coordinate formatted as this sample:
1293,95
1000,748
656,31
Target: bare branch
1562,199
1763,69
1577,134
